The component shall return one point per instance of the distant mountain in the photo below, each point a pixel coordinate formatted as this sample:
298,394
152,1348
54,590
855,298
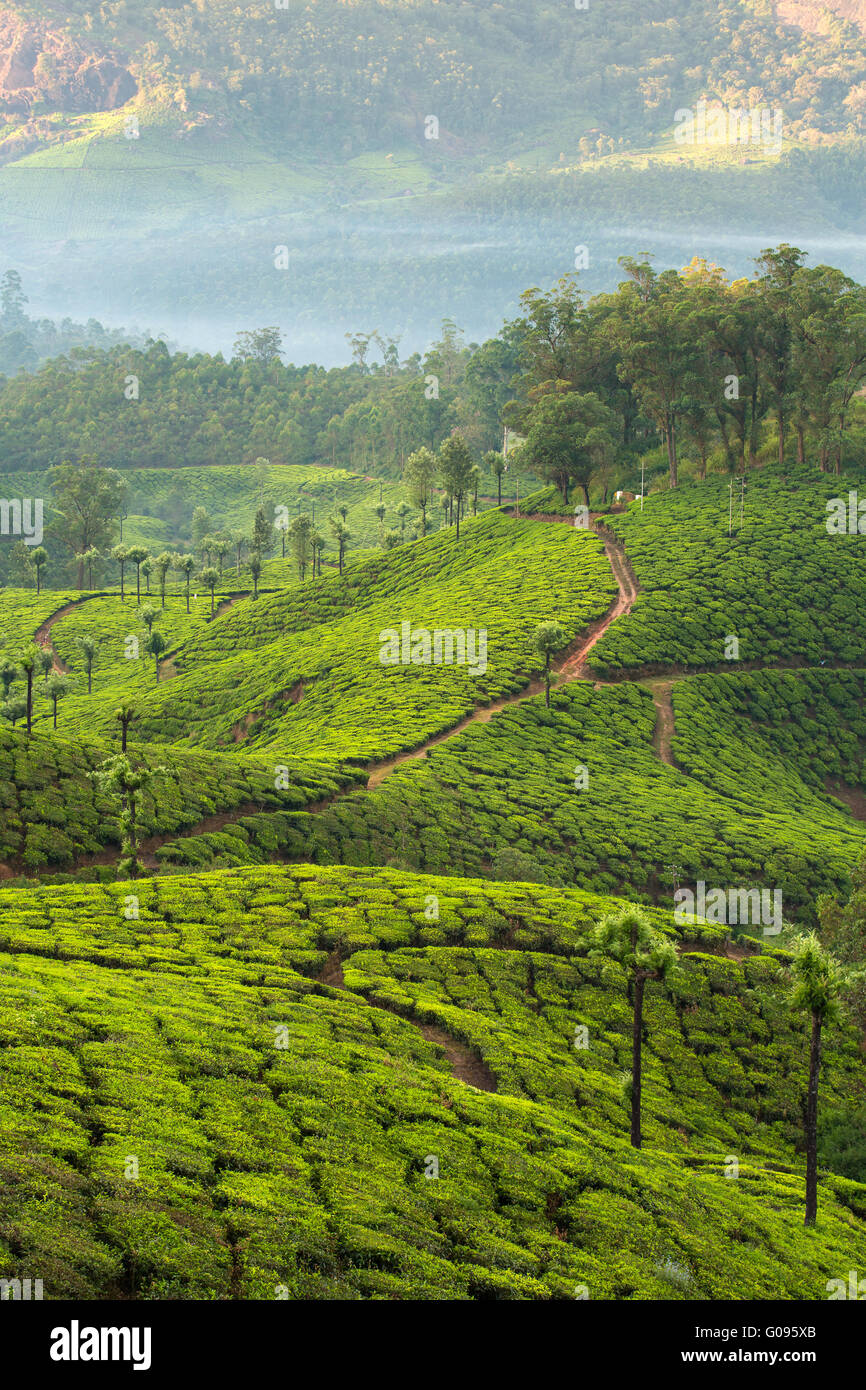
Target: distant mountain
358,75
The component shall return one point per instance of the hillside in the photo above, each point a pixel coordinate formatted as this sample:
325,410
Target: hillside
320,1036
283,1111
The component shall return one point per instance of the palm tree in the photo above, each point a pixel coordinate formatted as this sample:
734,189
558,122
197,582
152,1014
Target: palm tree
820,981
38,558
210,578
156,644
549,637
136,555
629,937
185,564
121,555
27,661
87,646
56,688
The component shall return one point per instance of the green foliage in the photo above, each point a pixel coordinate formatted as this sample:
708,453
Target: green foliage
188,1112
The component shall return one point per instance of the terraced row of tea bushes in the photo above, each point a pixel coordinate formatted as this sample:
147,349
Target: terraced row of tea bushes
786,738
52,814
294,916
501,799
123,669
719,1027
781,585
300,673
22,611
187,1116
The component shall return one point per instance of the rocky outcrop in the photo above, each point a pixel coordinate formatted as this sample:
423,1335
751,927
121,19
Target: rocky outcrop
38,64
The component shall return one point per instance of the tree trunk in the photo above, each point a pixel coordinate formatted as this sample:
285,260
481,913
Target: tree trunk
812,1123
636,1040
801,445
133,840
781,422
671,441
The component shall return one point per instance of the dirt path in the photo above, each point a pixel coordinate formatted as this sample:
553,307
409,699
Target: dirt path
466,1065
571,666
664,729
42,636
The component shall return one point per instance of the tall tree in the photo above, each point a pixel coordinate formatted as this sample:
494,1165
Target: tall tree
88,647
419,476
455,471
819,984
549,638
87,499
570,437
39,558
118,777
28,661
136,555
629,938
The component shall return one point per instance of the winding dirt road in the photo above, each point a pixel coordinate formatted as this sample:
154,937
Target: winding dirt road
571,666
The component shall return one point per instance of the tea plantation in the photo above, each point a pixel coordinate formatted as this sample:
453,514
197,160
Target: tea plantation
789,591
345,1029
190,1111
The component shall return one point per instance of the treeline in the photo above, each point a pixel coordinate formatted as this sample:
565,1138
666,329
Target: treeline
148,408
718,373
715,369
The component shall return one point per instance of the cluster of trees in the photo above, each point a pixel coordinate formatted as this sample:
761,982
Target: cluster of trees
25,670
203,410
694,360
